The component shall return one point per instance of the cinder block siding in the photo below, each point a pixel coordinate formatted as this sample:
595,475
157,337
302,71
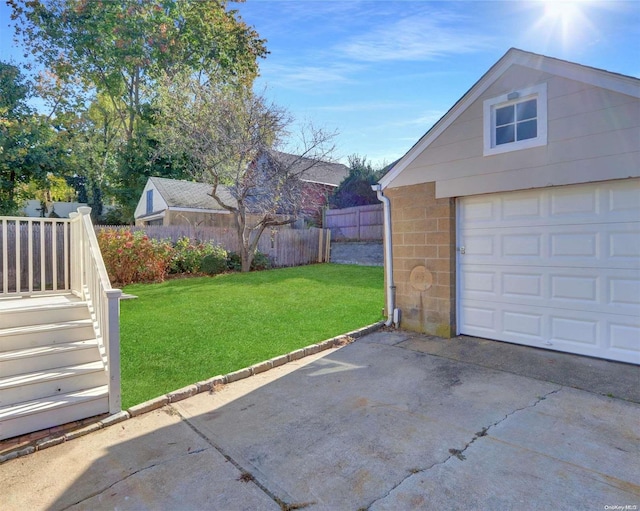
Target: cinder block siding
423,238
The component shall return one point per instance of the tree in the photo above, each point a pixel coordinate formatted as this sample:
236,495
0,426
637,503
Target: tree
28,150
120,48
111,53
229,136
355,189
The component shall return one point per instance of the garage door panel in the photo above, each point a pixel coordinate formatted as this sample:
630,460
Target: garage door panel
568,203
605,336
616,201
605,291
624,292
554,268
521,324
624,337
581,288
587,246
480,319
573,327
518,284
623,245
521,245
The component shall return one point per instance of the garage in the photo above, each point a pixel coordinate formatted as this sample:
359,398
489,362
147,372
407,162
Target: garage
555,268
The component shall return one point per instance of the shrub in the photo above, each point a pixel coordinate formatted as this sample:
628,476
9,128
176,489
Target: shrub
134,257
188,255
260,261
234,261
214,263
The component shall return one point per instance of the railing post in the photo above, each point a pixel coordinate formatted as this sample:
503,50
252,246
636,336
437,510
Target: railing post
82,247
113,348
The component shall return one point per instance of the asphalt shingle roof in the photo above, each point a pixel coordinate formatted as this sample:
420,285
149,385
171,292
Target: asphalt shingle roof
187,194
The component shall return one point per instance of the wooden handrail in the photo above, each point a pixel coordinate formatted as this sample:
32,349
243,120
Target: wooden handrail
91,281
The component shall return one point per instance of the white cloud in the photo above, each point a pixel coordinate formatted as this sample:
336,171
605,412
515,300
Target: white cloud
416,37
369,106
293,76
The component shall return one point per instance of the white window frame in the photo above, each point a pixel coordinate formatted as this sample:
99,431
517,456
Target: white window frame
538,92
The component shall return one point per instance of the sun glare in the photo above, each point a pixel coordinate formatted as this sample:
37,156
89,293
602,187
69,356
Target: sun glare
563,11
565,21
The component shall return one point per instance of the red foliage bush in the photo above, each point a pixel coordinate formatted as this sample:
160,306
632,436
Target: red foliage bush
134,257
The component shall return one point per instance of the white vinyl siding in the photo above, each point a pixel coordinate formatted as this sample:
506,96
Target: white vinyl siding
555,268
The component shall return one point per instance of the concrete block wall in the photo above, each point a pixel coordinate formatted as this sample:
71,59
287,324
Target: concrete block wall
423,237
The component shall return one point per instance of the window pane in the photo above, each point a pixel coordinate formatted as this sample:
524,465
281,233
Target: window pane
504,135
527,129
526,110
504,115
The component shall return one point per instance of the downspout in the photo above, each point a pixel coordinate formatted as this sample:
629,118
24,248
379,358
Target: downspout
393,314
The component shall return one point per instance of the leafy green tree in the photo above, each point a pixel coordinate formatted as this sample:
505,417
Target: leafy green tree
120,48
355,189
28,151
110,54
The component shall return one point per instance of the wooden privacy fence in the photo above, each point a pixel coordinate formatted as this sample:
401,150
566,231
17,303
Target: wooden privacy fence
285,247
356,223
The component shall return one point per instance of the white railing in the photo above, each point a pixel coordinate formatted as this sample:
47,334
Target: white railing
90,281
35,255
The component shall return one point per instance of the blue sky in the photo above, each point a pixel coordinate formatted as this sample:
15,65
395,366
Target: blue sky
382,72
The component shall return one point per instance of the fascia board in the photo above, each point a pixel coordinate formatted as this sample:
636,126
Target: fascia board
199,210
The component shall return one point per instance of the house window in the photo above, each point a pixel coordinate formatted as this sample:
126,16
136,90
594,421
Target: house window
517,120
149,201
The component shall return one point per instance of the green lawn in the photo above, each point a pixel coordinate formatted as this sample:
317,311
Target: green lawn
183,331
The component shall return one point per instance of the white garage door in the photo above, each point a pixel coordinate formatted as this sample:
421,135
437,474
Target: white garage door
555,268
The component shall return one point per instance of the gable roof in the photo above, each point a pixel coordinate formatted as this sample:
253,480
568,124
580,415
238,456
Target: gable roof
321,172
616,82
187,194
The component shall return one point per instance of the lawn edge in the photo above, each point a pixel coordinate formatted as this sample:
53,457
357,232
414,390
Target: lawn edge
208,385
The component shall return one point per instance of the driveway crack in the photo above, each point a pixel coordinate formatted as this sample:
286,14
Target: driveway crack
459,453
245,475
135,472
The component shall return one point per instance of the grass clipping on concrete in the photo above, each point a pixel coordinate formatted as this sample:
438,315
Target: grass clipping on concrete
183,331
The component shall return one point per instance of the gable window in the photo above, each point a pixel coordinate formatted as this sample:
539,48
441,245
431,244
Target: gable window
517,120
149,201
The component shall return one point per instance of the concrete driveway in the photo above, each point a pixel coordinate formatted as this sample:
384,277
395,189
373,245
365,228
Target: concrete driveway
393,421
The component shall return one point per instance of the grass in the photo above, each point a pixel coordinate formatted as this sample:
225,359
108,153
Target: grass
183,331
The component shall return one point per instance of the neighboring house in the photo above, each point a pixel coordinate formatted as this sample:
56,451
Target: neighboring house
516,217
320,180
33,208
173,202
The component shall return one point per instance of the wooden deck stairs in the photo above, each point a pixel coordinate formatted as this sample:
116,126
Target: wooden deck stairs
51,368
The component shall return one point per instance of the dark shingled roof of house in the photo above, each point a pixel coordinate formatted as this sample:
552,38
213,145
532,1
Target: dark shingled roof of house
187,194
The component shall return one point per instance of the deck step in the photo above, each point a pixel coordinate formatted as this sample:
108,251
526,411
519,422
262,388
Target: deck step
41,335
51,382
39,358
27,416
43,313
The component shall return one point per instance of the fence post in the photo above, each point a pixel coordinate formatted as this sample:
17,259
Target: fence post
328,247
320,247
